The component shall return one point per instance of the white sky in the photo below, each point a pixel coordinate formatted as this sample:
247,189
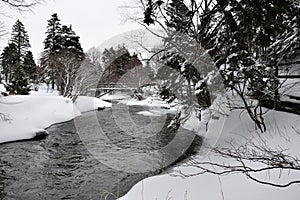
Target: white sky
94,21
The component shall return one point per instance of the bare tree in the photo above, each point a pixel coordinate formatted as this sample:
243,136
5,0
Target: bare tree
254,158
21,5
3,32
66,70
88,73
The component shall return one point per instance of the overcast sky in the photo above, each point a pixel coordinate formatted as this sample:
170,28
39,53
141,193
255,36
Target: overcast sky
94,21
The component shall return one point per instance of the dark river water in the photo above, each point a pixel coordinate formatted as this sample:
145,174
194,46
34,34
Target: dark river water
63,166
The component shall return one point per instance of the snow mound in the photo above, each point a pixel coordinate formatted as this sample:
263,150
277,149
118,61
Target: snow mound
84,103
117,96
29,115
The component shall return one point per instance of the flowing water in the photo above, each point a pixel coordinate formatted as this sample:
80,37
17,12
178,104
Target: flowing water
61,165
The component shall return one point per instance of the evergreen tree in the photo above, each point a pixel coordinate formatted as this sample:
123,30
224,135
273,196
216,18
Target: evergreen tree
53,30
238,35
62,55
19,83
51,46
13,58
69,42
9,59
29,65
20,38
116,63
68,56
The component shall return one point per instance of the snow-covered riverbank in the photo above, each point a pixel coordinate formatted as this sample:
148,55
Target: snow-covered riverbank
31,114
281,134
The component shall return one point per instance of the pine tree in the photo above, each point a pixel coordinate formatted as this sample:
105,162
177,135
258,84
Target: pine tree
13,59
53,29
19,83
116,63
20,38
243,38
69,42
68,57
29,65
9,59
62,55
51,46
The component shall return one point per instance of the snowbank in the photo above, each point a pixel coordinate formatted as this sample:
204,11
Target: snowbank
117,96
32,114
85,104
237,126
150,102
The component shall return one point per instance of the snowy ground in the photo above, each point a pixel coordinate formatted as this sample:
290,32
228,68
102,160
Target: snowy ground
2,88
232,187
31,114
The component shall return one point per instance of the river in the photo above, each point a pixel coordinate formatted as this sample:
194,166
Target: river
61,166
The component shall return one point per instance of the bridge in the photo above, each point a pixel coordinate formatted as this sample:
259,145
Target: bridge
111,87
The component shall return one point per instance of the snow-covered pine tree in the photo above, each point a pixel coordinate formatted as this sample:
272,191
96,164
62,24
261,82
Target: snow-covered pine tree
29,66
14,58
67,58
286,44
20,38
237,35
117,62
9,59
19,83
239,47
70,42
51,46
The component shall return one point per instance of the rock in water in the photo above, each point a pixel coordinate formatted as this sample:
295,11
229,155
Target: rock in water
40,135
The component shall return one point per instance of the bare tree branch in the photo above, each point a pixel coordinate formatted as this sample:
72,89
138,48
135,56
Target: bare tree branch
3,32
22,5
251,158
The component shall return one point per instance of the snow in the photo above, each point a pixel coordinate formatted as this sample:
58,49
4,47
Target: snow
117,96
235,186
32,114
44,90
85,104
152,101
2,88
228,8
156,112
